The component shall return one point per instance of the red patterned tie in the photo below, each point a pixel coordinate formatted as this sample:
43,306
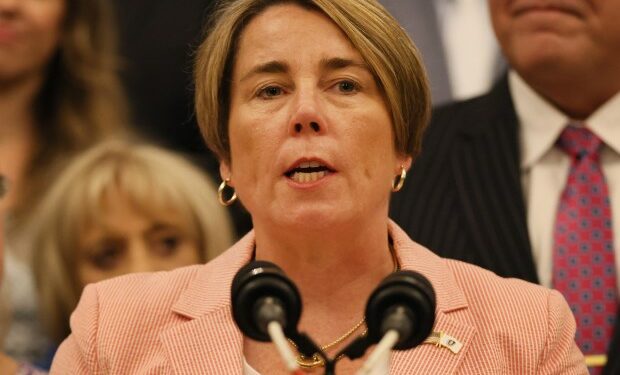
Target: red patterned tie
583,257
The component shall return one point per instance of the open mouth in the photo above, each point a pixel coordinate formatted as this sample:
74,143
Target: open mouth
308,171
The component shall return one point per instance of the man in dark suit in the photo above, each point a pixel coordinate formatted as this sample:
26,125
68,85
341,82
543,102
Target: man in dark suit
494,180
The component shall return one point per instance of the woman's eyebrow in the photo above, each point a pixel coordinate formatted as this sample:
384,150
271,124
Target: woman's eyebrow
159,226
268,67
337,63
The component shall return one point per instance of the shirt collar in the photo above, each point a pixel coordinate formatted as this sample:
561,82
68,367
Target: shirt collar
541,122
605,123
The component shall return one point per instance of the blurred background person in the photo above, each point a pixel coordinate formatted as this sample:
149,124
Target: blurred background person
59,93
8,365
525,180
119,208
457,44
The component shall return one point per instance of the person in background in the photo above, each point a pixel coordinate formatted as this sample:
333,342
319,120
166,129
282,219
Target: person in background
313,131
8,365
456,40
59,94
525,180
120,208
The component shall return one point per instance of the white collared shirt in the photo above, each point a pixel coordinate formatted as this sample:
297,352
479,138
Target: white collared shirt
544,168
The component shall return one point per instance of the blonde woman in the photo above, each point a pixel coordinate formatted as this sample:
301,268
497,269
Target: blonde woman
121,208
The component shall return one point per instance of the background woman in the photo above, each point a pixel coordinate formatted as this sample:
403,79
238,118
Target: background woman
8,365
59,93
315,109
119,208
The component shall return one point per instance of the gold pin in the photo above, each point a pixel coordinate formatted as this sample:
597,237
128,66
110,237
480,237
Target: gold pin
442,339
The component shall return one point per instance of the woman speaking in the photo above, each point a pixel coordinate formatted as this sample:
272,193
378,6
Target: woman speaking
315,109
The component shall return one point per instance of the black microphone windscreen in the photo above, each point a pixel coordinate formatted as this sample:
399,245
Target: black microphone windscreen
404,301
261,292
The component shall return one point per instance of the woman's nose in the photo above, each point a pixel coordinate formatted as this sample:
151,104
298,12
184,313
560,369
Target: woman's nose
141,259
307,117
312,125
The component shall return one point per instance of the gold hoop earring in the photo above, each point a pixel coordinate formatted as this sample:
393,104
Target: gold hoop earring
399,181
220,194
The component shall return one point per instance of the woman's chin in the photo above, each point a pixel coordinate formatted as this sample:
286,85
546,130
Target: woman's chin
313,218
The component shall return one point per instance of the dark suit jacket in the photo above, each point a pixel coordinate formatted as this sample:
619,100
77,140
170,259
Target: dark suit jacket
463,196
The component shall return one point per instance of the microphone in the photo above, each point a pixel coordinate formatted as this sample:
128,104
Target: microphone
400,314
266,306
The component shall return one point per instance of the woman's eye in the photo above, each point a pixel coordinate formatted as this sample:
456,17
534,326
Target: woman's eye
347,86
270,92
107,256
167,245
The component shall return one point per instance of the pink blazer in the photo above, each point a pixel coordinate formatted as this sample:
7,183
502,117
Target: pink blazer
180,322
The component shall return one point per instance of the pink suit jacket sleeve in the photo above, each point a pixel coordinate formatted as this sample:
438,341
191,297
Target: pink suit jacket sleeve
561,355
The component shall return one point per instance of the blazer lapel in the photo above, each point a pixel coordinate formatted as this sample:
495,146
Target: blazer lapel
485,165
453,317
429,358
209,342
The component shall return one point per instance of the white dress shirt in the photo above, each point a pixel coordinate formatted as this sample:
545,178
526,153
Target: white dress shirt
544,168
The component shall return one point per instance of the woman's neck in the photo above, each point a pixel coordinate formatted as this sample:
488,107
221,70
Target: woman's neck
17,99
335,270
17,132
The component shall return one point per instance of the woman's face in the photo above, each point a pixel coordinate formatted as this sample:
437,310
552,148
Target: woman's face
310,134
125,241
30,31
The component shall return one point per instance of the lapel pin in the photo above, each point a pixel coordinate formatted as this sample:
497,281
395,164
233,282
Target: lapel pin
441,339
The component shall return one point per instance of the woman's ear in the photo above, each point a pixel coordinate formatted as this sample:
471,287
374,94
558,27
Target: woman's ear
226,173
404,161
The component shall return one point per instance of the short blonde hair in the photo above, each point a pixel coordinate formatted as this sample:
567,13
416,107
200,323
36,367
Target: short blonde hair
151,178
387,49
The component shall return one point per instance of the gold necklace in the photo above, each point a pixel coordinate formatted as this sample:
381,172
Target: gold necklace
316,360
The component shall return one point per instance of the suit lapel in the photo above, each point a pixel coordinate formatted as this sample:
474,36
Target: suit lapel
209,342
485,165
434,359
452,312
